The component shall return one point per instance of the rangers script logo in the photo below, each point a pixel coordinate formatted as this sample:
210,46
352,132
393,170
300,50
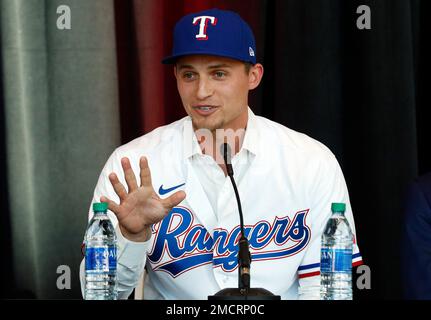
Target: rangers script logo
180,245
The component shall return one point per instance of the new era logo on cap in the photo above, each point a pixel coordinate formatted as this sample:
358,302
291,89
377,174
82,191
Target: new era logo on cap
213,32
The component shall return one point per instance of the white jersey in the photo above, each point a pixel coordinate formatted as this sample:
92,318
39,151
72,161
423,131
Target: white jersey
286,191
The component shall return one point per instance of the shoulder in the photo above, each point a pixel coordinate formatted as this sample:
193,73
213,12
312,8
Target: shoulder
417,198
424,182
162,136
422,186
293,142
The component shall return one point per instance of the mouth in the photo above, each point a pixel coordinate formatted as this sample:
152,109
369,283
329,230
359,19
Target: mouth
205,110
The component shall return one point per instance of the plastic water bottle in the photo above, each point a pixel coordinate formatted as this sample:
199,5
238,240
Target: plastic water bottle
100,256
336,257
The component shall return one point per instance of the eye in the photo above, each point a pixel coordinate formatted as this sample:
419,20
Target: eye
188,75
219,74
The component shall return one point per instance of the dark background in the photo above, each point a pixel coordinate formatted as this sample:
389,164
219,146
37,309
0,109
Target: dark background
360,92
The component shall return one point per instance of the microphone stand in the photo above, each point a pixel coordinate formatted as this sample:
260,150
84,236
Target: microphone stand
243,292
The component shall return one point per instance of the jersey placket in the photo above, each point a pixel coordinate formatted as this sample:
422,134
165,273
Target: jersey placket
228,216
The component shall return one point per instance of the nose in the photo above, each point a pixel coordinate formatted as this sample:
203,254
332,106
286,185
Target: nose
205,89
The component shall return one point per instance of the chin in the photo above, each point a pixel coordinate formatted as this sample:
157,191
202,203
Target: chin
209,125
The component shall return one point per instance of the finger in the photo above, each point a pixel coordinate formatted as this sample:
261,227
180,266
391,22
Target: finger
111,204
145,172
118,187
129,174
173,200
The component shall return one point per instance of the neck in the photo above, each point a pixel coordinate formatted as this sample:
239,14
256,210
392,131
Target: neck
232,133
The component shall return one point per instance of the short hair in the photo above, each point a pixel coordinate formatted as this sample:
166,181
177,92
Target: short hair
247,66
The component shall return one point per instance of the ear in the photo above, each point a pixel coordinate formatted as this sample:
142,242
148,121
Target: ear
175,70
255,76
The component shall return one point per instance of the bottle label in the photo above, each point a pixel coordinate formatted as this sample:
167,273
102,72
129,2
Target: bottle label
101,259
336,260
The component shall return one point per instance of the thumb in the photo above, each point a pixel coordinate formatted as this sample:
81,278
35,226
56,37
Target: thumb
174,200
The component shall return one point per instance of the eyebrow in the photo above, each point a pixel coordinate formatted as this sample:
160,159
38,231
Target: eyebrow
221,65
216,66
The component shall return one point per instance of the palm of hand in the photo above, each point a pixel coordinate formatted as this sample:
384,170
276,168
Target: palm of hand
139,207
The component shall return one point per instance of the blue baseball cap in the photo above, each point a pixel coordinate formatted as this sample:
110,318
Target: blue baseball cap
213,32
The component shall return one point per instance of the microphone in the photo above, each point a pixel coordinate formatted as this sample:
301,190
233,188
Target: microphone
227,156
243,292
244,256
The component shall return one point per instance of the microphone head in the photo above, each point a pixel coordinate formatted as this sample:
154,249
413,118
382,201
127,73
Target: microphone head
225,151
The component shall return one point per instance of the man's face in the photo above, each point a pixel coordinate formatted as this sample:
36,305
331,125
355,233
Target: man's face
214,90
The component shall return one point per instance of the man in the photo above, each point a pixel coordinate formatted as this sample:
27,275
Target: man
178,215
416,254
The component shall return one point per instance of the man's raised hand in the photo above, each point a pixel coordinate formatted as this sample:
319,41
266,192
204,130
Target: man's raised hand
140,207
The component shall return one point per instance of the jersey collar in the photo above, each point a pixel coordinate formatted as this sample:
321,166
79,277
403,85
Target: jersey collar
191,145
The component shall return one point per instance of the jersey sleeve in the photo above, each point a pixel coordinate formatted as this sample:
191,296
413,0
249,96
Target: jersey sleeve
131,255
329,186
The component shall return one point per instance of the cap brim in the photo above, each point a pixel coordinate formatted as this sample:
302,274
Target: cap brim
173,59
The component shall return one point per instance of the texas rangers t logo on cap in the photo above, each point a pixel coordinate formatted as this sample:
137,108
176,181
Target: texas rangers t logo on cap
224,34
203,26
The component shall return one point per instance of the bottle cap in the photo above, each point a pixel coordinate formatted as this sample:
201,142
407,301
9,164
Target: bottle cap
338,207
100,207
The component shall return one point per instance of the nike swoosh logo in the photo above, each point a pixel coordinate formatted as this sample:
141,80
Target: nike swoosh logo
165,191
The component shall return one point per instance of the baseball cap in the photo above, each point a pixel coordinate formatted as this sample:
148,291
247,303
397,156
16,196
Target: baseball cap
213,32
